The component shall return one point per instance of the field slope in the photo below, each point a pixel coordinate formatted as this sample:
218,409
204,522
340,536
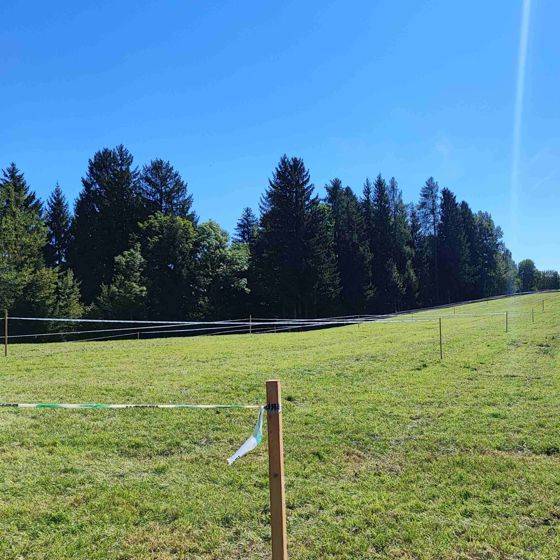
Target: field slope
390,453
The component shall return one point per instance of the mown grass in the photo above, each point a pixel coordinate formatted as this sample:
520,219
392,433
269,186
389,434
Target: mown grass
390,453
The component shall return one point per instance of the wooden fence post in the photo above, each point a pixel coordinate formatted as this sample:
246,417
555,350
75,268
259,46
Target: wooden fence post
440,341
543,305
250,324
5,332
532,314
276,471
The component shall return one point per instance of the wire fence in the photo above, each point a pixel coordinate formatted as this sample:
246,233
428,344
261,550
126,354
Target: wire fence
100,330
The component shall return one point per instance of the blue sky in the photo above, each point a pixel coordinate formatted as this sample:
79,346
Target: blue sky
223,89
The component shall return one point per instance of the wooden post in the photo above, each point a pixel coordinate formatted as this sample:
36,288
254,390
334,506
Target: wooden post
276,471
543,305
250,324
138,335
532,314
507,321
5,332
440,341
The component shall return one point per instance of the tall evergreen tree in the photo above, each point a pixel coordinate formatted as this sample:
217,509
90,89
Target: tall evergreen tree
294,254
246,228
453,255
401,246
165,191
57,219
387,283
471,286
22,237
351,254
107,213
428,212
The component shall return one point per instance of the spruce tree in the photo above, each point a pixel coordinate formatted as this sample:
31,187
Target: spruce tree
401,249
294,254
107,213
246,228
22,239
57,219
164,190
453,255
351,254
428,212
387,283
67,298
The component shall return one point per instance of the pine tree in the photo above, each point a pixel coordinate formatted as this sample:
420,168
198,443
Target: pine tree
294,255
351,254
165,191
107,213
57,219
246,228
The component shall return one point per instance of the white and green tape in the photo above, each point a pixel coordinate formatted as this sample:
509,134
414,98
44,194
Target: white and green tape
248,445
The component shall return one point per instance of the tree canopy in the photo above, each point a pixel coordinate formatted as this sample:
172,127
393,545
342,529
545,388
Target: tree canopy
133,247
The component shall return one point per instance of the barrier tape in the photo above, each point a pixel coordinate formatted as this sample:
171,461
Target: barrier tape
251,443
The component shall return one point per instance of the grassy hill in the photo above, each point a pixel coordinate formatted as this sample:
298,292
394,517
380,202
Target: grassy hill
390,452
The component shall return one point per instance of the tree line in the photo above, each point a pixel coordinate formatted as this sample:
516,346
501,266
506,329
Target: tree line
133,247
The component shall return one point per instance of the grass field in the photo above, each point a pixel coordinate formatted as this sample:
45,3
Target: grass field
390,453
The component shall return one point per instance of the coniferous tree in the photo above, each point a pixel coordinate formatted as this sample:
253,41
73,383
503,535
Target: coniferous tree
368,238
22,239
57,219
164,190
294,256
351,254
107,213
387,283
67,299
471,283
428,212
246,228
401,247
453,255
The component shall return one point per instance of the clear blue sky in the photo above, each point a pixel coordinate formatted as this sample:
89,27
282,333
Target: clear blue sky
223,89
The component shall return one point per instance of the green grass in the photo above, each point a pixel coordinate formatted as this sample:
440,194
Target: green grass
390,453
